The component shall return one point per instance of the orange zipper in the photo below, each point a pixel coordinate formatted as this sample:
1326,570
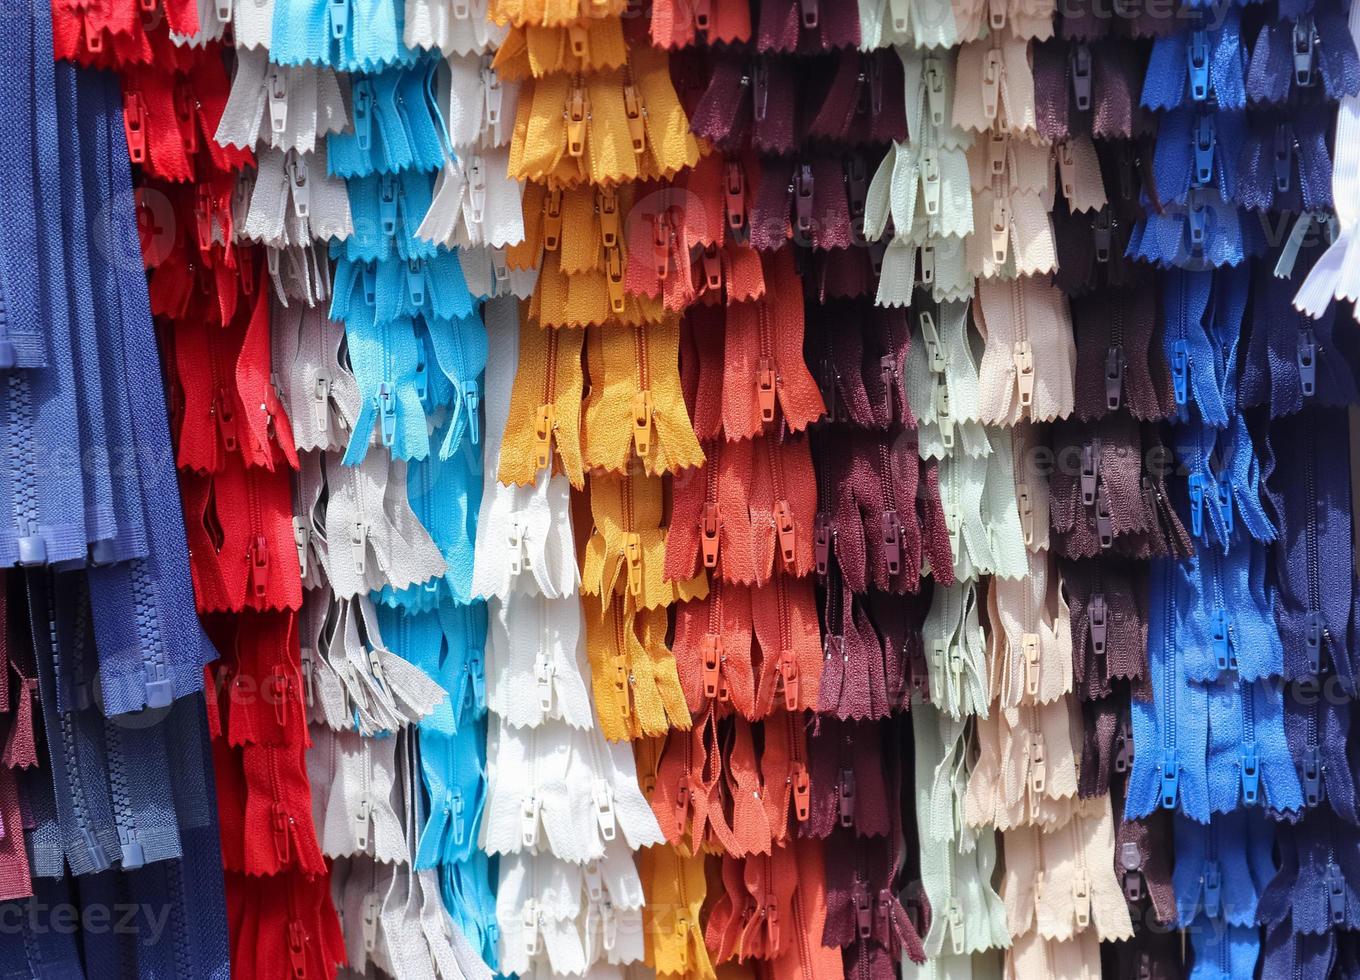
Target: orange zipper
642,400
547,410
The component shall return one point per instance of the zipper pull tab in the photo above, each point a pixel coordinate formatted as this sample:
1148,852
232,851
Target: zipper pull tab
1195,486
661,244
1024,371
996,14
1001,229
1310,775
898,11
930,180
708,534
578,37
306,659
339,18
361,821
864,913
1284,157
297,949
1090,472
226,420
1171,778
1307,359
1081,76
760,80
632,554
1102,233
604,810
278,99
1180,371
1197,60
453,803
856,194
528,822
387,204
321,404
1130,860
943,418
543,433
887,371
1312,641
1114,377
493,96
1104,519
1205,137
1067,167
1025,503
372,904
892,541
765,388
1220,629
1336,893
1213,889
415,282
608,204
810,14
302,537
279,821
594,882
613,269
710,650
634,110
1097,619
935,90
1081,900
703,14
358,545
734,200
1029,649
576,119
802,204
681,806
787,679
186,112
1038,766
363,114
802,792
298,184
997,145
1123,757
387,412
552,220
845,806
953,917
544,669
642,423
821,542
1305,51
784,528
927,254
476,180
991,84
1251,772
530,919
711,260
1224,499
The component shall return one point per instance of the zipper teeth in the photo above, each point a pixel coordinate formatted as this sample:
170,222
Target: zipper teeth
21,448
1117,324
184,960
643,361
886,484
148,636
711,473
1310,526
1018,308
776,469
862,877
715,607
550,372
71,757
1169,669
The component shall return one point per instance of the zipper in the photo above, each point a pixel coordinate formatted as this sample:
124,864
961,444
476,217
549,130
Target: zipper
1170,765
767,377
632,541
642,399
1180,348
1334,882
1023,354
1315,631
546,422
1029,648
709,523
1114,358
529,805
623,677
1251,771
800,921
786,667
888,370
1081,886
1306,357
682,923
71,756
892,527
280,821
799,780
714,658
864,928
785,530
184,958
